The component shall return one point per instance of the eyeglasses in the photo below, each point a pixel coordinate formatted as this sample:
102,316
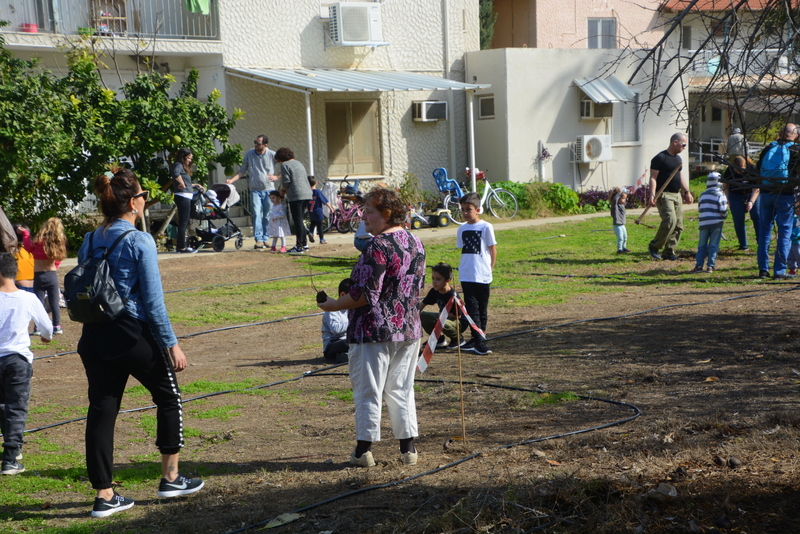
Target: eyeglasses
257,143
144,194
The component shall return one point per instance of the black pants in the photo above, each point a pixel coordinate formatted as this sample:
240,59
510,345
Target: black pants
320,226
150,365
335,349
184,210
296,209
46,282
15,391
476,300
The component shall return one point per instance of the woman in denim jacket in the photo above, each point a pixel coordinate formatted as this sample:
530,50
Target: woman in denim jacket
139,343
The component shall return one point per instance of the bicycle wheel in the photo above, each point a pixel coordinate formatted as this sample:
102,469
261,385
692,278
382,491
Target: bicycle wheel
354,221
451,203
342,224
503,204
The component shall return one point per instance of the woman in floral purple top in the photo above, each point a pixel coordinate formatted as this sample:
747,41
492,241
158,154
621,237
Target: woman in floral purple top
384,331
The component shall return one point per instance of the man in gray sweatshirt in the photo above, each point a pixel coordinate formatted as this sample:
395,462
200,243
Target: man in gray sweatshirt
259,166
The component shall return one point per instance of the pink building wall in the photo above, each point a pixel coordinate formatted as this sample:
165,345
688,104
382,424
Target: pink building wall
564,23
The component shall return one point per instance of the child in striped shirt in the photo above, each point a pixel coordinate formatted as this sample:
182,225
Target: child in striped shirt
713,209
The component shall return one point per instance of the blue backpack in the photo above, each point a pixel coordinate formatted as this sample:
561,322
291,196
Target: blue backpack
775,161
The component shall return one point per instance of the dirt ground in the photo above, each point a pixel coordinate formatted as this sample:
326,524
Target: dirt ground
713,381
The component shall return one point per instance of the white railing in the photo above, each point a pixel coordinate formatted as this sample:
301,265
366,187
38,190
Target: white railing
741,62
167,19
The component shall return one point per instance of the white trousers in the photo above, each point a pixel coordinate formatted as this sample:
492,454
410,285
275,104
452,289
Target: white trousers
384,371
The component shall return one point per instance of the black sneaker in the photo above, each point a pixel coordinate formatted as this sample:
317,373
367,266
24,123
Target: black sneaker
654,253
785,276
441,342
763,274
469,346
12,468
481,348
296,251
454,344
673,257
180,486
117,503
311,237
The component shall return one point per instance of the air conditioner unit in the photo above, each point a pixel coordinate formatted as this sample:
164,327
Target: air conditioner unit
356,24
429,111
590,148
593,111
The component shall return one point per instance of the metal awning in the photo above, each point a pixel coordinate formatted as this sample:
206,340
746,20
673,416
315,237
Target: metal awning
346,80
767,104
608,91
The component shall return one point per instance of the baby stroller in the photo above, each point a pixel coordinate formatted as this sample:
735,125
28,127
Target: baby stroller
212,205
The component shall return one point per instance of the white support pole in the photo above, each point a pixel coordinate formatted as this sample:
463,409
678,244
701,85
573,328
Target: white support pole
310,137
471,124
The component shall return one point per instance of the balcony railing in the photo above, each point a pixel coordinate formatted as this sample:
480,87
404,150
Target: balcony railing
742,62
165,19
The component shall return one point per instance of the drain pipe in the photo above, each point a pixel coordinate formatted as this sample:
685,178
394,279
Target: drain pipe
451,124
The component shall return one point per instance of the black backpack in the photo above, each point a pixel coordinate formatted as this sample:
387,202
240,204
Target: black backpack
91,294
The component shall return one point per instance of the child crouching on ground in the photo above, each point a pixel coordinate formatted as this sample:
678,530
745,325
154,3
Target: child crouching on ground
17,308
619,198
334,330
440,294
712,209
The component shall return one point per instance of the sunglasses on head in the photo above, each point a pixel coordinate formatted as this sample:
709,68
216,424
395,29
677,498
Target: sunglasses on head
144,194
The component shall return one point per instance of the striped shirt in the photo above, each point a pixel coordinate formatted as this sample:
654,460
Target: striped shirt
712,207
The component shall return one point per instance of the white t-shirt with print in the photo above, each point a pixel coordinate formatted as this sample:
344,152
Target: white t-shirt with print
474,241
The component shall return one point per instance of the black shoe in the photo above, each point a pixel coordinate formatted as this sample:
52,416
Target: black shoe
785,276
454,344
180,486
117,503
469,346
14,467
296,251
441,342
654,253
673,257
763,274
744,248
311,237
481,348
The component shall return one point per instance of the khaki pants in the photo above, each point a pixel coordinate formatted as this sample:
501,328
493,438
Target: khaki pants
670,208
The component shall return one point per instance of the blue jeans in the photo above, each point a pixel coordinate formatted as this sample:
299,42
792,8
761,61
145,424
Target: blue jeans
259,207
709,242
622,236
736,201
778,208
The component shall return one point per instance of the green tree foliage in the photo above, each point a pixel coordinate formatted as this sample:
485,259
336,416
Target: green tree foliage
56,134
487,17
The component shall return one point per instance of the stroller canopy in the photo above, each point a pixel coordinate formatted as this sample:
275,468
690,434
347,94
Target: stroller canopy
227,195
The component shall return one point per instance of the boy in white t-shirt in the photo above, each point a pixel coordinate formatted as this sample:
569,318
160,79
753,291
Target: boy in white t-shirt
17,308
478,254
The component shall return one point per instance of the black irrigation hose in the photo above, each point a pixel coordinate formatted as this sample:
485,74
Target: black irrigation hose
318,371
636,413
204,396
252,282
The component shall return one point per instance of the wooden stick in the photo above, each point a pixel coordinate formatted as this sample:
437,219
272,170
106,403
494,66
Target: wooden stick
461,381
658,194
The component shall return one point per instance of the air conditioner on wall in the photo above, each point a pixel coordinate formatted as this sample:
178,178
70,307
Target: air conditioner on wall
429,111
356,24
592,111
590,148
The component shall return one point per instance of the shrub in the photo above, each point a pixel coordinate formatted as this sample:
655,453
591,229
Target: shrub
592,197
562,198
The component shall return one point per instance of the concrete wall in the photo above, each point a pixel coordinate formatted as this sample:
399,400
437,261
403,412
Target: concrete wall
536,99
416,31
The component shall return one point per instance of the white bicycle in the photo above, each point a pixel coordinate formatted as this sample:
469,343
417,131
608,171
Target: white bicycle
500,202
